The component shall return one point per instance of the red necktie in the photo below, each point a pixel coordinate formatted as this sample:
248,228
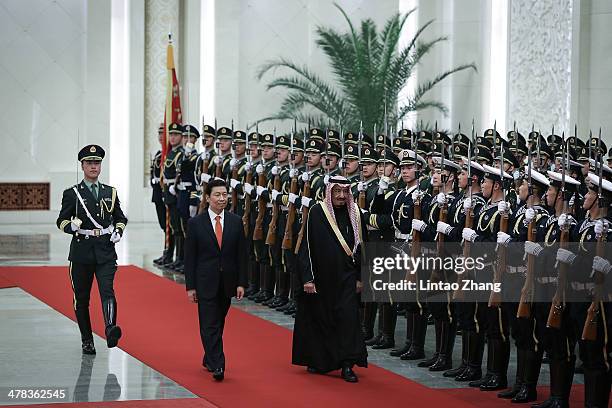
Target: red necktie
218,230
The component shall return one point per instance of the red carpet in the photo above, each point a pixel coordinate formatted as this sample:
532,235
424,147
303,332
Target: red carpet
5,283
170,403
161,330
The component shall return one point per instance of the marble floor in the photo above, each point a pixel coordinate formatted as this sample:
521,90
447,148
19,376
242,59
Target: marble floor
128,378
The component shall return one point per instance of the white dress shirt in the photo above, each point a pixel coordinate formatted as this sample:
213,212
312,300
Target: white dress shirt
213,219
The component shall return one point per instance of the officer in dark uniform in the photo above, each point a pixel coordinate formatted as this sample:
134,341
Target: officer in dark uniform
205,164
250,201
92,214
157,195
173,158
238,167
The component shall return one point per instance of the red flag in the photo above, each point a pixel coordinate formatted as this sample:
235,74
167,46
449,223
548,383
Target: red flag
173,100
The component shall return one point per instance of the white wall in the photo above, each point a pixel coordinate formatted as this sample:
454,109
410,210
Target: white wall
54,81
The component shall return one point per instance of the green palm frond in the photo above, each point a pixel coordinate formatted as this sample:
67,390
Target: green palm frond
369,69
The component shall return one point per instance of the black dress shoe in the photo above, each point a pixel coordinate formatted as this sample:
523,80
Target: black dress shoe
349,375
374,340
285,307
208,368
470,374
281,302
443,363
158,261
88,347
313,370
113,334
527,393
218,374
429,362
291,310
455,371
495,382
413,354
268,302
509,394
397,352
478,382
384,344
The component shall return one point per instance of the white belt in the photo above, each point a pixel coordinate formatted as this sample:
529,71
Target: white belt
155,180
284,208
169,182
546,279
186,183
269,205
516,269
403,237
582,286
96,232
241,196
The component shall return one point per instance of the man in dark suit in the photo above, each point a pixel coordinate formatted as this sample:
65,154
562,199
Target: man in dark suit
215,270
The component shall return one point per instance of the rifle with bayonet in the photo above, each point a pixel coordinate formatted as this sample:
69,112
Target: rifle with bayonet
500,267
524,307
276,185
234,172
246,217
594,312
558,301
362,194
261,205
205,165
305,193
293,189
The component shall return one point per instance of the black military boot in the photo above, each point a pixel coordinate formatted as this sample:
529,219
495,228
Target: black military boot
445,358
253,287
265,293
283,284
369,317
596,388
168,252
431,361
112,331
180,254
397,352
453,373
419,330
531,373
389,319
520,376
473,371
561,379
499,355
88,347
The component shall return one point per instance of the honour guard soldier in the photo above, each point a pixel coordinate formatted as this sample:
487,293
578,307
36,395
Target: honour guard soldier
186,185
238,167
157,195
205,165
489,222
558,334
92,214
250,210
169,180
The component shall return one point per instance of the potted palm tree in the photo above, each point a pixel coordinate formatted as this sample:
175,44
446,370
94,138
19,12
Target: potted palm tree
369,70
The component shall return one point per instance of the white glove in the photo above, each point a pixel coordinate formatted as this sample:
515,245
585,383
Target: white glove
443,228
205,177
565,256
305,176
326,179
502,206
529,215
193,210
218,160
503,238
234,183
75,224
180,186
341,163
259,169
198,187
601,265
441,198
275,194
418,225
275,170
572,200
306,202
292,198
516,175
415,195
172,190
188,148
260,190
248,188
383,185
469,234
293,173
599,227
115,237
565,219
467,204
533,248
247,167
361,186
233,162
